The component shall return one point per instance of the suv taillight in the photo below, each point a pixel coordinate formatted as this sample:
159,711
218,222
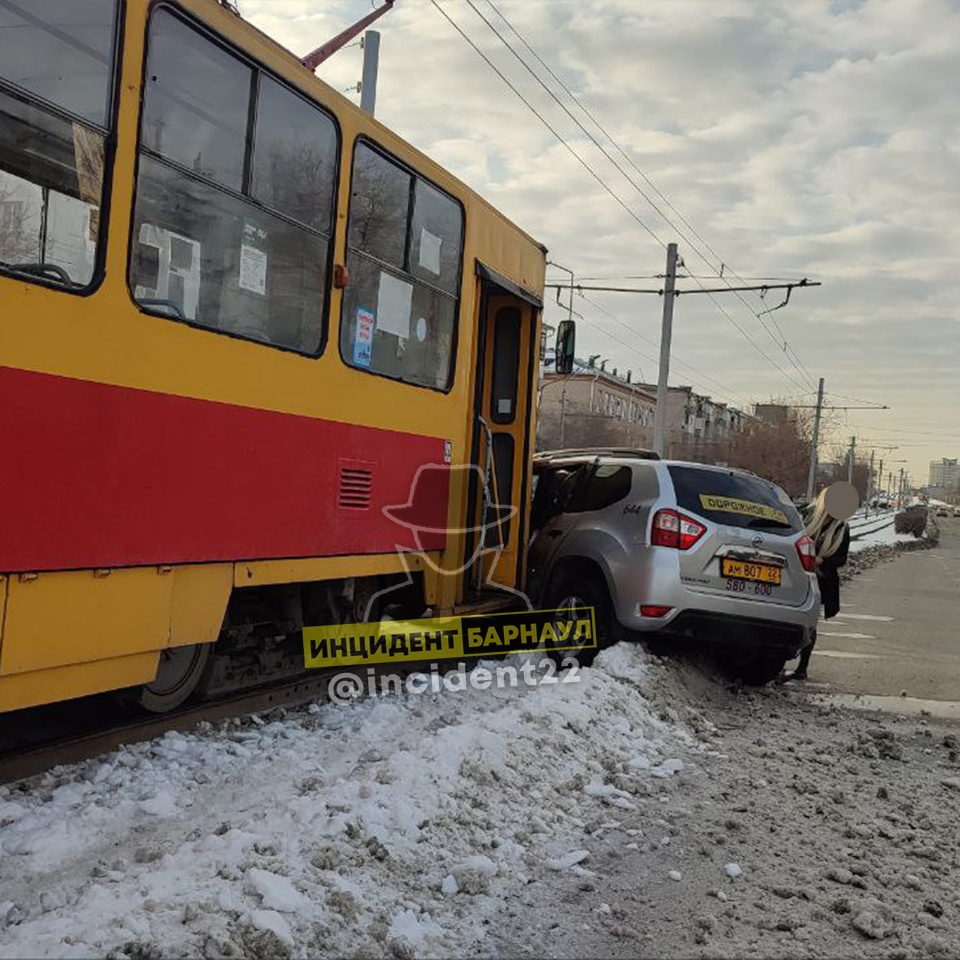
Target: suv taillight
675,530
808,554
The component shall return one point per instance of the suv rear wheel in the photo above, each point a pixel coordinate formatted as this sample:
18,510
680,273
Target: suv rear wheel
576,588
757,668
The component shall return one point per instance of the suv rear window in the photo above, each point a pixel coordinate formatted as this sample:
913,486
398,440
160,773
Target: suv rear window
733,499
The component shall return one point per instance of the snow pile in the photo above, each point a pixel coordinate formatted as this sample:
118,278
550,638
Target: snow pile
886,537
395,826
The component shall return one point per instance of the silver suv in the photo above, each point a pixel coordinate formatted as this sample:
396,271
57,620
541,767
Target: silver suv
674,549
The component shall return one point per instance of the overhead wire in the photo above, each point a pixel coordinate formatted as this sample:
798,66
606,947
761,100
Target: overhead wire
645,356
660,276
912,433
733,394
596,176
547,124
592,172
782,341
613,337
841,396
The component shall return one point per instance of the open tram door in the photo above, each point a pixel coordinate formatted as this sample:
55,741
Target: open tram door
504,399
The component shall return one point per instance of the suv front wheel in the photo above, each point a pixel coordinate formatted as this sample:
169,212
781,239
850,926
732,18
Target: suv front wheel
575,587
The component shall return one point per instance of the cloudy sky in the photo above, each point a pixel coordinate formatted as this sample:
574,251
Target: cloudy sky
779,138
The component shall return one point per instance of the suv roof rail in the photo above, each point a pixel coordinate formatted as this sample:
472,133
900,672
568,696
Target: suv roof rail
635,452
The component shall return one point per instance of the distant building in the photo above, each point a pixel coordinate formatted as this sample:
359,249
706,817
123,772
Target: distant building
697,424
945,474
597,407
775,413
593,408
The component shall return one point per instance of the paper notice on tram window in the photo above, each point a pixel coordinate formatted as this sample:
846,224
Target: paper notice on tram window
393,305
253,260
430,251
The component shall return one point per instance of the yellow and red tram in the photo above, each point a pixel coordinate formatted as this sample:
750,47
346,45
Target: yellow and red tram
237,316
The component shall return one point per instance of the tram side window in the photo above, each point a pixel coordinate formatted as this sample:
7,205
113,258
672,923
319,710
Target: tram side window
57,63
234,207
404,252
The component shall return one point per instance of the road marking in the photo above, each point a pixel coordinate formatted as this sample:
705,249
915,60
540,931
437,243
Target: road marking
846,655
947,709
846,636
867,616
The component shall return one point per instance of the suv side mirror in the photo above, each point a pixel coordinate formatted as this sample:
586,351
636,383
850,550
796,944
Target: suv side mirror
566,345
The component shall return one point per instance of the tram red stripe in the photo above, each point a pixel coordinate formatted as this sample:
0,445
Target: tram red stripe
95,475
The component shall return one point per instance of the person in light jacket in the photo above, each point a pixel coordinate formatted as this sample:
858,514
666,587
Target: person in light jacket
831,538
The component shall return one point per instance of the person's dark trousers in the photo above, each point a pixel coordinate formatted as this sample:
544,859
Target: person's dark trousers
801,672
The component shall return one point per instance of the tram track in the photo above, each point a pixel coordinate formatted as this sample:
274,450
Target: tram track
17,764
110,729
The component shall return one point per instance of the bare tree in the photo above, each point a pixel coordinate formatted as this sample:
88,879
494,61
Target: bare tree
778,451
19,223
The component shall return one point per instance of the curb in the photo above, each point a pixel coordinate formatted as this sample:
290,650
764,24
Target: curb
872,556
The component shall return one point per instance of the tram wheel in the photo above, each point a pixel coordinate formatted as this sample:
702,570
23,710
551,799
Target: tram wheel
178,675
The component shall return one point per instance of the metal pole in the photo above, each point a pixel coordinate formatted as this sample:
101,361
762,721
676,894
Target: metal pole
563,411
812,475
371,60
313,60
880,478
853,447
660,414
869,484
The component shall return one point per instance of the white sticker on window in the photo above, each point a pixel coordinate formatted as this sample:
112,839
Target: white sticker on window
504,407
393,305
421,328
253,259
430,251
168,272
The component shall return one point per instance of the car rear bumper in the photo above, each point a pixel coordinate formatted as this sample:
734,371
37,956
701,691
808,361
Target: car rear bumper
730,630
729,620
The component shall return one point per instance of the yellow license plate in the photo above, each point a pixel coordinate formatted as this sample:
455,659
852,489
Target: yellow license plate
758,572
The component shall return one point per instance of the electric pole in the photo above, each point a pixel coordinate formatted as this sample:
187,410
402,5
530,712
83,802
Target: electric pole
853,448
371,60
812,475
866,510
669,294
660,413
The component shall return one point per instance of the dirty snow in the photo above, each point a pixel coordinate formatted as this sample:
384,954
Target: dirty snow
648,809
392,826
881,538
809,831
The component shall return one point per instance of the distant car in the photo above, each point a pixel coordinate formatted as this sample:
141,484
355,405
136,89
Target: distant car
956,511
943,511
674,549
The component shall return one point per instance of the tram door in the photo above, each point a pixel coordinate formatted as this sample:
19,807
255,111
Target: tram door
505,386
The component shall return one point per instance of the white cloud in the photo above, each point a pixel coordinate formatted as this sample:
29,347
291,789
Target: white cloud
804,139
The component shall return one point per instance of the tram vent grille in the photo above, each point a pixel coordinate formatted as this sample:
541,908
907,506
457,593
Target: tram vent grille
356,485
